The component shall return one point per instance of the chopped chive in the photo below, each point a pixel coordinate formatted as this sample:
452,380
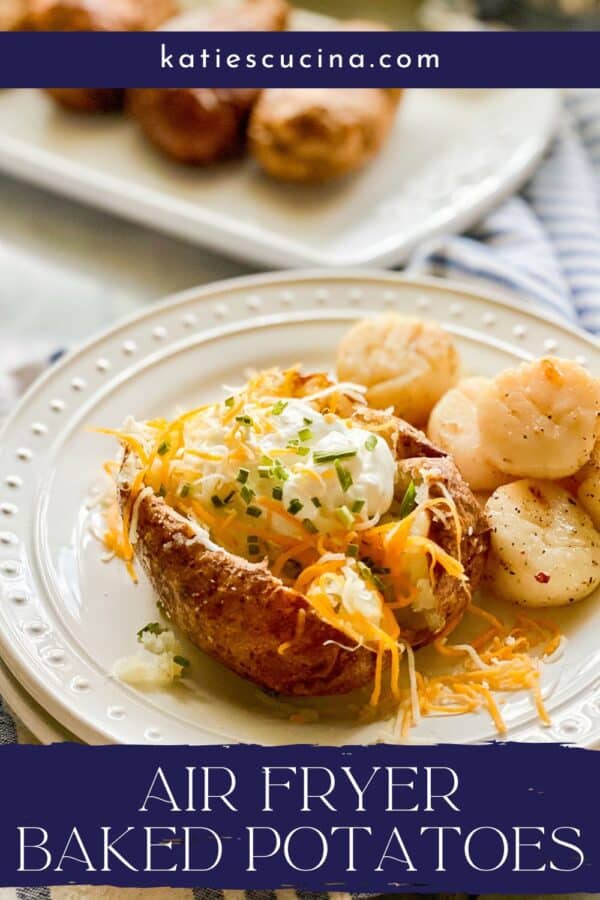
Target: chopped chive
229,496
216,500
253,545
277,493
266,461
163,448
305,434
254,511
371,442
315,502
280,472
303,451
293,442
162,491
345,516
279,407
307,421
369,575
244,420
325,456
181,661
377,582
408,501
229,401
357,506
150,628
295,506
247,494
310,526
352,550
344,476
243,475
185,489
264,472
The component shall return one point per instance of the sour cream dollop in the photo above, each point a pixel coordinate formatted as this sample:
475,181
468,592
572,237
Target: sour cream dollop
329,466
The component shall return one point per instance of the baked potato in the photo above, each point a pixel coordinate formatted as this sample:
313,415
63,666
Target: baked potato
319,134
96,15
14,15
299,537
199,126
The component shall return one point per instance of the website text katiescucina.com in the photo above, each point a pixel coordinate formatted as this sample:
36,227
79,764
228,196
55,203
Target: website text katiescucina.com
315,59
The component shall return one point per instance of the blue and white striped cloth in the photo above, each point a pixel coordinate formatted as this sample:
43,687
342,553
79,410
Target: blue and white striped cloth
543,245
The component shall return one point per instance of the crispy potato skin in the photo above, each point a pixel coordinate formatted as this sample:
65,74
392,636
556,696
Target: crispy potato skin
199,126
14,15
319,134
100,15
239,613
452,595
88,100
96,15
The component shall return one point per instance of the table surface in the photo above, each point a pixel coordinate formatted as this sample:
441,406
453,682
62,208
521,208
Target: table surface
67,271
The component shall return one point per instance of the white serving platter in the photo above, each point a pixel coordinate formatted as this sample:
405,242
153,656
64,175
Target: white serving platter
452,156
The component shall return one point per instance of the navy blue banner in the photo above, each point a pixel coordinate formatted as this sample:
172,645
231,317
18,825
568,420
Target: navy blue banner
513,818
301,59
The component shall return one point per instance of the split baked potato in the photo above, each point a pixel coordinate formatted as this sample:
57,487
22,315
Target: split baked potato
299,537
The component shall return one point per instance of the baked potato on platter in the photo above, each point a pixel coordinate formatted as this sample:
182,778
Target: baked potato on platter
302,539
13,15
200,126
96,15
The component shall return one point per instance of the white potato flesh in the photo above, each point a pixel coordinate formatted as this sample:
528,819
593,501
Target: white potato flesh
588,491
540,420
544,550
454,426
405,363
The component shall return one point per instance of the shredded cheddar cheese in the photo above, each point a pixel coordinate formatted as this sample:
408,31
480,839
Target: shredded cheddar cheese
264,492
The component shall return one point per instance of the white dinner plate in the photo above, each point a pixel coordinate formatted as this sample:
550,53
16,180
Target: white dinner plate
452,156
65,616
21,704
